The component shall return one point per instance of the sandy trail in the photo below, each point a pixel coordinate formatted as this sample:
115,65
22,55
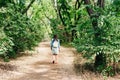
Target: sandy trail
38,66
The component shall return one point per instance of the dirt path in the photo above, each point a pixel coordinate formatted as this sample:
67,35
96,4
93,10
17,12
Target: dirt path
38,66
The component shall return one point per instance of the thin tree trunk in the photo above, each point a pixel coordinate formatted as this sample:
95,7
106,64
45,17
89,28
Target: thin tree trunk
101,3
76,18
60,15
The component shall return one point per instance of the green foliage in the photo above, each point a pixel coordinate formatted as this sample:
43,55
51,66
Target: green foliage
109,37
107,71
20,32
6,45
66,20
107,42
116,3
20,29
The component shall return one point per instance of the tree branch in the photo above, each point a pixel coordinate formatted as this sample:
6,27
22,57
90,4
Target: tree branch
55,6
25,10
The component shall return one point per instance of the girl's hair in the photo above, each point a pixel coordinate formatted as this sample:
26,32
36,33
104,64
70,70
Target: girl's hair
55,37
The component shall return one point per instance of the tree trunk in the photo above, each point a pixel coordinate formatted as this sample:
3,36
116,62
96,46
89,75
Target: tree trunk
94,16
100,59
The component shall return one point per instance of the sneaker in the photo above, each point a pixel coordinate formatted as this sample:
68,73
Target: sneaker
53,62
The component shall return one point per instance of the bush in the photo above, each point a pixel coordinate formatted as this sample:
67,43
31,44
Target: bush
6,45
21,33
107,43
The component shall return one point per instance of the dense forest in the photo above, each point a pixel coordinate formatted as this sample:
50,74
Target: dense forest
91,26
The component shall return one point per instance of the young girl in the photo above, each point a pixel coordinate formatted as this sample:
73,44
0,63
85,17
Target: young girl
55,47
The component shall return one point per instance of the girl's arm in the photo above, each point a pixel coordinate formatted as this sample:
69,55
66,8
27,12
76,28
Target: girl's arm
51,43
59,45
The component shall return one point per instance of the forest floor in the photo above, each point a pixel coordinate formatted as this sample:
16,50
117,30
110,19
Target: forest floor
37,65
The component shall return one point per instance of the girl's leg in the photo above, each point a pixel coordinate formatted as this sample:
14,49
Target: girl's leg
56,58
53,60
